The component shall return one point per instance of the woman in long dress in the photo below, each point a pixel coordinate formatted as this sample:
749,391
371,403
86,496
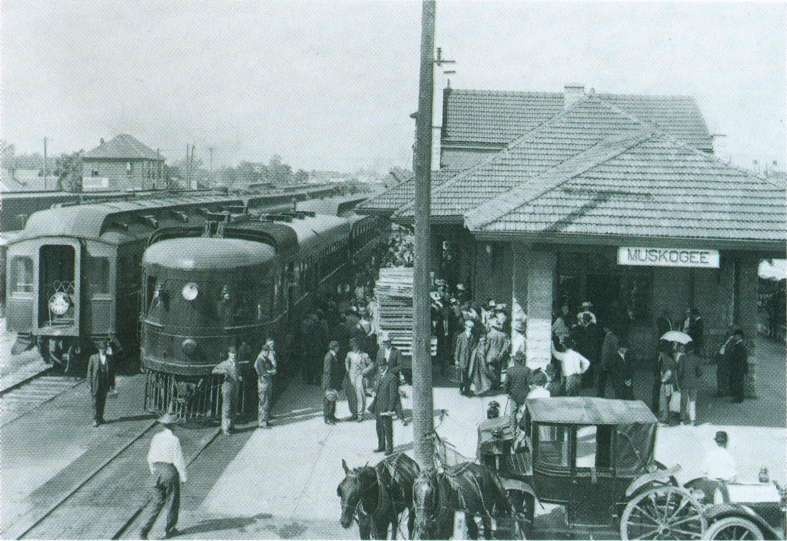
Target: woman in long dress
357,364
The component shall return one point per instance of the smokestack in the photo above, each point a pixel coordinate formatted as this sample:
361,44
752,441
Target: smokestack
572,93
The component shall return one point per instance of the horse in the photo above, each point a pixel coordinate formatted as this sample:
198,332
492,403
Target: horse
376,496
468,487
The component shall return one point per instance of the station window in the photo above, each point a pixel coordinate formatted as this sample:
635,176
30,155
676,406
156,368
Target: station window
97,272
21,274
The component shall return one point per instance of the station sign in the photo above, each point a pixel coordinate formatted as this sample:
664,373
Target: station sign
668,257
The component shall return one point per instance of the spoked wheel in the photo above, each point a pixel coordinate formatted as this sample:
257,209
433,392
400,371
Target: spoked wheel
665,512
733,528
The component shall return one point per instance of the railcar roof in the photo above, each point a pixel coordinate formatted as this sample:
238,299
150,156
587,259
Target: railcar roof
311,228
90,221
583,410
214,254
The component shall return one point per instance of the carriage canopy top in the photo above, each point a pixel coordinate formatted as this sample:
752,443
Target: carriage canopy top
583,410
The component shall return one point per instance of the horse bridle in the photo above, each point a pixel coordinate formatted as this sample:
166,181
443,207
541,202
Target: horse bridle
359,509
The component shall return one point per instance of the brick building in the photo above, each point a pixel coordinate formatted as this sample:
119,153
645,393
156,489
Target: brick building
123,163
549,198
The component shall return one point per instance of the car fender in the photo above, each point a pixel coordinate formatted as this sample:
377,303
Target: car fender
662,476
721,511
517,484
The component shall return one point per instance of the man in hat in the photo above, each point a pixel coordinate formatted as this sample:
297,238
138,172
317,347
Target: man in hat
100,377
389,354
587,308
386,403
517,384
463,352
609,356
230,369
719,463
330,382
265,365
622,372
498,353
689,374
572,365
739,365
165,459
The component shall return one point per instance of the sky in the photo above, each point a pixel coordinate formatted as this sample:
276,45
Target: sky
331,84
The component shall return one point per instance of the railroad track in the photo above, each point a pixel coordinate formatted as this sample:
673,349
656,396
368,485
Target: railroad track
35,391
110,497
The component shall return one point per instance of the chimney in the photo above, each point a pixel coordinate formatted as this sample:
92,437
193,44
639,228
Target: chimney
572,93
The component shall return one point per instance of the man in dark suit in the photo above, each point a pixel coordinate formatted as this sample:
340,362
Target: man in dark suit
386,403
517,384
609,355
623,373
330,382
463,352
99,376
389,355
739,358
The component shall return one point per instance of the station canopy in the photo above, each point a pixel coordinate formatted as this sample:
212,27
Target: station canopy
583,410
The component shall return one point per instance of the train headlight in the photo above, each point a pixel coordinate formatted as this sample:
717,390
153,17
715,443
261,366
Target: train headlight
189,346
190,291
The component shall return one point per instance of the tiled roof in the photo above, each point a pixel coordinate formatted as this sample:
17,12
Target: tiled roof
393,198
123,147
567,134
655,187
497,117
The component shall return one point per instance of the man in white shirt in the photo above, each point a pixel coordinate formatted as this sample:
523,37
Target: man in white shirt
573,365
168,468
719,463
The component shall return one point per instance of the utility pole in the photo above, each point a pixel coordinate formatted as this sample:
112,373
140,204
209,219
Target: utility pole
45,173
423,422
210,150
193,166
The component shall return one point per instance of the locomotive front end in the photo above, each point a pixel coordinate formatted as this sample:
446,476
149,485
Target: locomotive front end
201,296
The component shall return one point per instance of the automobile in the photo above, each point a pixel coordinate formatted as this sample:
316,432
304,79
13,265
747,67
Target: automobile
595,458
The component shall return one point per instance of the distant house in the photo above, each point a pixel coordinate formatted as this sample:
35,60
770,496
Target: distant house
123,163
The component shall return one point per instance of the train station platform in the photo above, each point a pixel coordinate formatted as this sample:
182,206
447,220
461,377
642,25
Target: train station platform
281,483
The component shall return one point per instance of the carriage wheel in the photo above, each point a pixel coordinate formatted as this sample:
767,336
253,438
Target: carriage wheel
665,512
734,528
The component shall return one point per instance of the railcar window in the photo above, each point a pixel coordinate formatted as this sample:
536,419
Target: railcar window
21,274
97,269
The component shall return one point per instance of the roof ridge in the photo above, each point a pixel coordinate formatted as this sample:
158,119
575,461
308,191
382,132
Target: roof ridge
712,158
506,202
504,151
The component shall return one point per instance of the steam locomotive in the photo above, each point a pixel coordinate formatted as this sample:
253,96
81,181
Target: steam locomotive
235,282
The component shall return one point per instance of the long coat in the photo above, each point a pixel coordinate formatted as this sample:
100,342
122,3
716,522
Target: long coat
330,371
394,359
463,350
386,397
499,346
100,377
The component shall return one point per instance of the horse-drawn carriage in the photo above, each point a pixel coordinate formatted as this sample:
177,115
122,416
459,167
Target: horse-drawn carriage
594,457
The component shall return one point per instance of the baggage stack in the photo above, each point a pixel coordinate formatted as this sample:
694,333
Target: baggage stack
395,311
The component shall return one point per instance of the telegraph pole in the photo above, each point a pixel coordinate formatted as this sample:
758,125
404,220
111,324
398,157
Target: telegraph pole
45,173
423,422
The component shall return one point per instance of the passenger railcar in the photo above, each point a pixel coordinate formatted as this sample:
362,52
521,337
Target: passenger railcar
252,278
73,273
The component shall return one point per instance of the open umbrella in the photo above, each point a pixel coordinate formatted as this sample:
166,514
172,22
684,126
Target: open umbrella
676,336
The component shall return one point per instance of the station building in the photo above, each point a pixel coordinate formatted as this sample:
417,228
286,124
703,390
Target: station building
550,198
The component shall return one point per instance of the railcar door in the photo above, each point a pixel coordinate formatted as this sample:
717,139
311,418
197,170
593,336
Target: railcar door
58,289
